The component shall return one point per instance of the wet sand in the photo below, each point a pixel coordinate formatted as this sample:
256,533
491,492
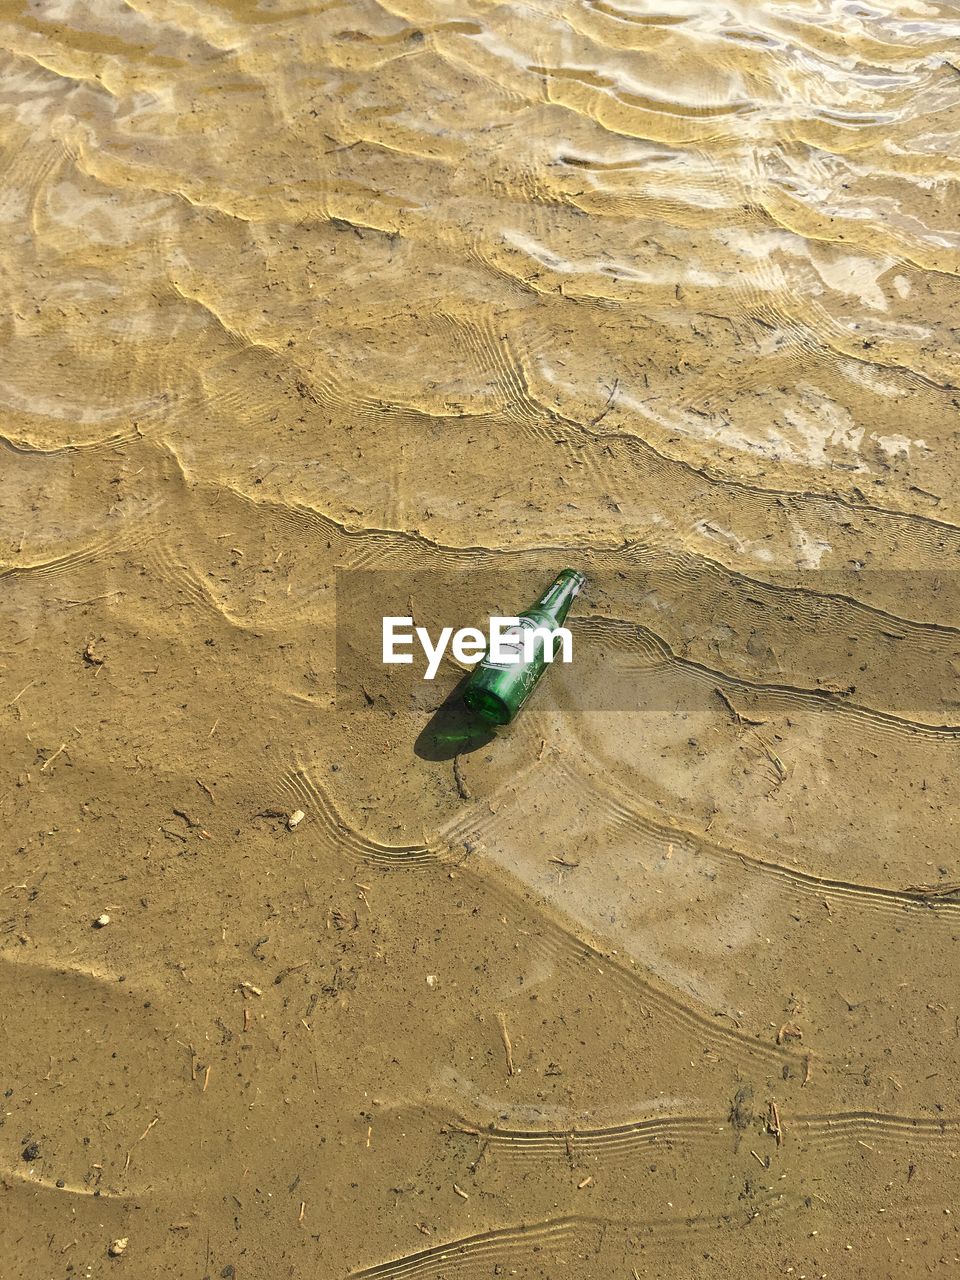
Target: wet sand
310,309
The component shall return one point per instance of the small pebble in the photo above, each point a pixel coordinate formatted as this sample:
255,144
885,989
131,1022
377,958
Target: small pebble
90,655
116,1247
31,1152
431,980
101,921
295,819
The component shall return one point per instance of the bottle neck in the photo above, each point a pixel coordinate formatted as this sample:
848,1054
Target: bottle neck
561,593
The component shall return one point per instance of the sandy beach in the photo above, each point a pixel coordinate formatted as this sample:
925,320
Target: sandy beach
314,314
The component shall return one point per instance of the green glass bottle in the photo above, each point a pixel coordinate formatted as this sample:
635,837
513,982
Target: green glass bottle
496,691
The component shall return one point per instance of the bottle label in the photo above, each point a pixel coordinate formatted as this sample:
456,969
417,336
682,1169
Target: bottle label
510,647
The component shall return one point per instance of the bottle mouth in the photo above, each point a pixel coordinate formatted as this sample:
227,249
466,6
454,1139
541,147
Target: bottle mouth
574,575
488,706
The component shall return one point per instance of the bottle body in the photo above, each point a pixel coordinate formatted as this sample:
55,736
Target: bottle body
496,691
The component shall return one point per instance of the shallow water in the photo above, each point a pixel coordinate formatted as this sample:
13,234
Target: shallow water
311,313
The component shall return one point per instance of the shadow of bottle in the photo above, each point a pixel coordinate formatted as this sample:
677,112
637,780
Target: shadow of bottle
453,730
